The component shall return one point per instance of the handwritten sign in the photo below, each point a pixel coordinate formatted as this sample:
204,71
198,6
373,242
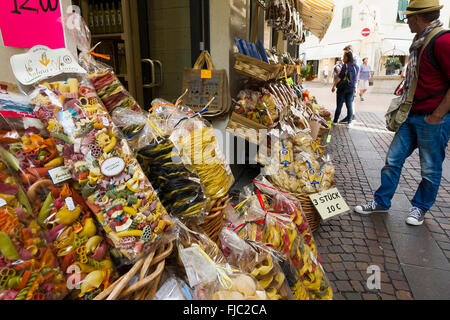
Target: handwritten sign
329,203
26,23
205,74
59,174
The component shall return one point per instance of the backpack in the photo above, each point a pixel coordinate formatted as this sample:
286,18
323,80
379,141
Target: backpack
347,82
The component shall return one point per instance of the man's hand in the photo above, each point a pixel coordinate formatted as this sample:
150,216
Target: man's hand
333,89
433,119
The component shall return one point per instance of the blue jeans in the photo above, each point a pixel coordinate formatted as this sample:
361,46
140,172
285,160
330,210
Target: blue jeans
432,141
346,96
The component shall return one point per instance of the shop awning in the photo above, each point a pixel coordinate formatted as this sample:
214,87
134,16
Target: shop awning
316,15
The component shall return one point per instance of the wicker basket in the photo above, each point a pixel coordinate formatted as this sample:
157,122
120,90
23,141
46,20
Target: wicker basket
214,221
150,269
311,213
255,68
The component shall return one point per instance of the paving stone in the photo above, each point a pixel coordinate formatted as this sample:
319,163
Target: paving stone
403,295
349,266
387,288
353,296
357,286
387,297
428,283
338,266
370,296
343,286
400,285
341,275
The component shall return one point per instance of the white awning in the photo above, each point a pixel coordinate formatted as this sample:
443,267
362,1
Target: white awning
316,15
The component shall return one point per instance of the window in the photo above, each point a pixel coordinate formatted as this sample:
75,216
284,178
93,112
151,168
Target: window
346,17
402,5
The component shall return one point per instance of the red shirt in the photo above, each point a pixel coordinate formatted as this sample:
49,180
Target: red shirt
432,80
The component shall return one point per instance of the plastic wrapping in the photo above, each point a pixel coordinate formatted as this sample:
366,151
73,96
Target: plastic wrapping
256,107
279,229
201,153
260,261
15,111
174,289
28,268
112,182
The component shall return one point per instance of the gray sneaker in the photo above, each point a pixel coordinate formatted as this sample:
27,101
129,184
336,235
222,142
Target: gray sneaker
415,217
371,207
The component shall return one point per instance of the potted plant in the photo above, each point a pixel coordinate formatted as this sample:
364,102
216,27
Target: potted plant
392,64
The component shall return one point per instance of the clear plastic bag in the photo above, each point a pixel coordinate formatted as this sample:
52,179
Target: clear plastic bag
28,268
258,260
200,152
174,289
180,190
112,182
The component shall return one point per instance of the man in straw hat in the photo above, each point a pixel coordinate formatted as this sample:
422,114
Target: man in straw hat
428,124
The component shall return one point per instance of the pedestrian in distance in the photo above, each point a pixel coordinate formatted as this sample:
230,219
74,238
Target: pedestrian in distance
345,84
337,68
364,78
427,126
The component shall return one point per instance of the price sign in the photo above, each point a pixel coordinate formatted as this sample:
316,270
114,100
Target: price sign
26,23
205,74
329,203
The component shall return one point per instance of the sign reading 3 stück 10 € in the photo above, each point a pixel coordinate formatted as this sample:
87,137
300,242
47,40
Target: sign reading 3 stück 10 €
26,23
329,203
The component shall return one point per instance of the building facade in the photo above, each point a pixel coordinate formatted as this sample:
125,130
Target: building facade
389,36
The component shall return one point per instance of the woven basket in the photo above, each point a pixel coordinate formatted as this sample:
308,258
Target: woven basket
311,213
214,221
255,68
150,269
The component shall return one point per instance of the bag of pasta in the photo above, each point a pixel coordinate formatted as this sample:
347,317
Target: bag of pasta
179,189
208,273
201,153
28,268
259,260
112,183
277,228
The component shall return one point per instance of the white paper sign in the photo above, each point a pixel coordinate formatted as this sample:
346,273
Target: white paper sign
2,202
41,62
59,174
69,203
329,203
112,167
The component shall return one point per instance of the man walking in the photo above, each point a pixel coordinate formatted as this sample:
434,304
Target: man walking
428,124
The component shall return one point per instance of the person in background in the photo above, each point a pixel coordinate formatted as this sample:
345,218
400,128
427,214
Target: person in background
346,94
364,77
358,63
428,124
337,68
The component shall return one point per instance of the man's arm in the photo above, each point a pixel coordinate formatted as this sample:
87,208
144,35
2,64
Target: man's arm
439,114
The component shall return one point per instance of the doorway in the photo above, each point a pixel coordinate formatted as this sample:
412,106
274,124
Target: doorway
172,34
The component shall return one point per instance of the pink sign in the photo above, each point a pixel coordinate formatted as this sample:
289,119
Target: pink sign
26,23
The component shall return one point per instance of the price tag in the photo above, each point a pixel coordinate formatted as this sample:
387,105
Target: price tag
329,203
329,138
299,70
206,74
59,174
69,203
105,122
2,202
26,23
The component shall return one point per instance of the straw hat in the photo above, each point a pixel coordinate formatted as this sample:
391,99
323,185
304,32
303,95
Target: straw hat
422,6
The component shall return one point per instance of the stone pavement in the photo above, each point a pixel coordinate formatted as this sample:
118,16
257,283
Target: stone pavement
414,261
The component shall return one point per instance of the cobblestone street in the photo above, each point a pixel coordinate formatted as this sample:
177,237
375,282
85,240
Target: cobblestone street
414,261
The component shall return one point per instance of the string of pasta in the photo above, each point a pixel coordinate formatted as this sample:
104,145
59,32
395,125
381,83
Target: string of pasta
23,293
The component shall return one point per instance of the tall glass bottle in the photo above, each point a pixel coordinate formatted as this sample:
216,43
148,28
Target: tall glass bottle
101,19
113,17
119,16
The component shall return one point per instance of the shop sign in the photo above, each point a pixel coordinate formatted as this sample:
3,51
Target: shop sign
329,203
26,23
205,74
40,63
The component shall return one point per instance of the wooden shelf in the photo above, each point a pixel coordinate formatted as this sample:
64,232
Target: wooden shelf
108,35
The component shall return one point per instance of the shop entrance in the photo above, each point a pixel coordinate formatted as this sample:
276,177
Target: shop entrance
171,35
